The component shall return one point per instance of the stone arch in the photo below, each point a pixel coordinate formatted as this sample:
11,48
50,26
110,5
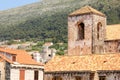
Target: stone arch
80,31
99,29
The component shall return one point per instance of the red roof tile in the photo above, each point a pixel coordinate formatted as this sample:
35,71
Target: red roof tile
6,59
22,56
86,62
113,32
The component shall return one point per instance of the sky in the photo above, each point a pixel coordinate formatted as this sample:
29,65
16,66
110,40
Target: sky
7,4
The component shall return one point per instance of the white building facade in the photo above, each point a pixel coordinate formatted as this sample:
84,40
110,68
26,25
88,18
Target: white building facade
19,65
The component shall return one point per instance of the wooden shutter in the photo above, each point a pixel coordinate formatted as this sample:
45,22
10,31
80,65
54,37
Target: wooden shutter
22,74
36,75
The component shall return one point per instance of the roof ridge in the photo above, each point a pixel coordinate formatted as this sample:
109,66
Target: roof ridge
89,55
113,24
89,8
85,10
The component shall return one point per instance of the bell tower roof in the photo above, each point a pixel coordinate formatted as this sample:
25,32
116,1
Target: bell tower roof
86,10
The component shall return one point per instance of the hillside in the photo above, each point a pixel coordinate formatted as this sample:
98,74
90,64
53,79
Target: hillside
47,20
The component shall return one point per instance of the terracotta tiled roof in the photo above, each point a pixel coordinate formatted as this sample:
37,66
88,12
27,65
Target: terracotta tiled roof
4,58
113,32
85,62
22,56
10,51
86,10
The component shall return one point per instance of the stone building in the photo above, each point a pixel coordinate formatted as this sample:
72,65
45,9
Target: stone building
45,54
89,34
19,65
4,68
93,49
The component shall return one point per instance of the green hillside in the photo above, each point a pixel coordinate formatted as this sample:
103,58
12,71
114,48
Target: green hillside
47,20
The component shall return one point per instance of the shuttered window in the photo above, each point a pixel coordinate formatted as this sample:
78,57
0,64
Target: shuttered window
14,58
36,73
22,74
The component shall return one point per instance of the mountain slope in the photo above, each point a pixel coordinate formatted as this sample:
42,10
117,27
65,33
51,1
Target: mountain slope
48,19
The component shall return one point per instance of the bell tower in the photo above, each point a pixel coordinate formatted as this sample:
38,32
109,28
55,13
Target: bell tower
86,31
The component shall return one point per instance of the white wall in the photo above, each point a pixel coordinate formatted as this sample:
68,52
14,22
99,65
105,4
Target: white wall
41,74
14,74
29,75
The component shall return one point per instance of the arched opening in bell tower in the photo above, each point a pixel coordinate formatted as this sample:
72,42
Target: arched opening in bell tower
99,28
81,31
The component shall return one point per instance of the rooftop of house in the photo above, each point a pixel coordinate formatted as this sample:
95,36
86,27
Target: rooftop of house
91,62
3,58
86,10
10,51
22,57
112,32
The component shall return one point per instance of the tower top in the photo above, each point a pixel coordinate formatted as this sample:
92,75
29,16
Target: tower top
86,10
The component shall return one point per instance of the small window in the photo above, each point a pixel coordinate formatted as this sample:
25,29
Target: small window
102,77
118,46
14,58
49,55
57,78
36,75
81,31
78,78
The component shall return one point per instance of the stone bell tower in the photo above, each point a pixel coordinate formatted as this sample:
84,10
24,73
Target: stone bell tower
86,31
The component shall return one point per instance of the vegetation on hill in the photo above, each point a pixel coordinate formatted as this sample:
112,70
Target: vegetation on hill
60,47
47,20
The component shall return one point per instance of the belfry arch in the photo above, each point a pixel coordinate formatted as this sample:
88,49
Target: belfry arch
81,31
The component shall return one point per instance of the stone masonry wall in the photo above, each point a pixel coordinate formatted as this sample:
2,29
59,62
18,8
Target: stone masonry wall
98,44
7,71
84,76
111,75
2,70
78,47
112,46
90,44
67,76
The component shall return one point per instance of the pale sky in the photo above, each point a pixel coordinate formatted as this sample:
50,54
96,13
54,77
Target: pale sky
7,4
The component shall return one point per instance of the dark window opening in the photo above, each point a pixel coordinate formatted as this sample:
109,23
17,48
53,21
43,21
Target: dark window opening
118,46
81,31
57,78
49,55
13,58
36,75
102,77
92,76
78,78
99,27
